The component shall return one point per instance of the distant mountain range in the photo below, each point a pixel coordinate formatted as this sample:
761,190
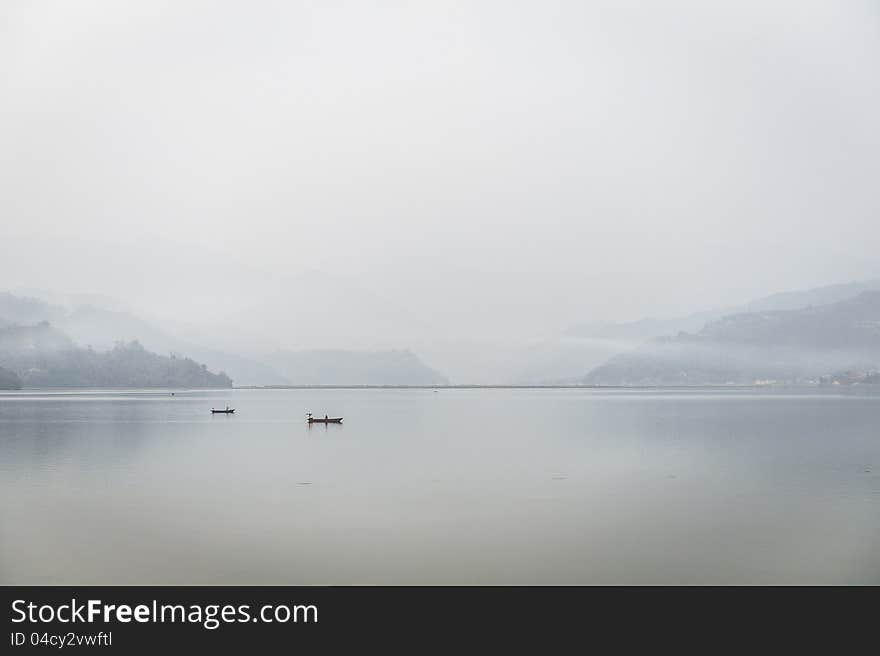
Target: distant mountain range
100,328
583,347
93,329
766,339
800,345
41,356
649,328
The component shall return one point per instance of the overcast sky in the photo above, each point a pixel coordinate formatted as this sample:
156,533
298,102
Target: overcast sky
478,165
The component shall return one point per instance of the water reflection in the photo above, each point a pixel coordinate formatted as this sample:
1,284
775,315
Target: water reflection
467,486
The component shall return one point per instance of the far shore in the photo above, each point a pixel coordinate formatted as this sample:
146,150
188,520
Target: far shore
719,386
533,386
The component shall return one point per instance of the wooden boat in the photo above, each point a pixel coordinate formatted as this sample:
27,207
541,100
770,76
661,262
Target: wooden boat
324,420
228,411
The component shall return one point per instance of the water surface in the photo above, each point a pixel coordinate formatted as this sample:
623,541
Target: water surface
456,486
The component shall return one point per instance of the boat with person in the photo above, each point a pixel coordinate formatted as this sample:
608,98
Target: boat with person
323,420
227,411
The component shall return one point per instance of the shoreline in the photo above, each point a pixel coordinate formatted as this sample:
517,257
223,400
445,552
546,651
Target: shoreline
720,387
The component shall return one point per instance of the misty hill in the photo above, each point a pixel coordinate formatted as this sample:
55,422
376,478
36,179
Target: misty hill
38,338
9,380
27,310
648,328
333,367
806,298
101,328
585,346
42,356
783,345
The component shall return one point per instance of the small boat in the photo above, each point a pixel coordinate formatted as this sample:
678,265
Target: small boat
227,411
323,420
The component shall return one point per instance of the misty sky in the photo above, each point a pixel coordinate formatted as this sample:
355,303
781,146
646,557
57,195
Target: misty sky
476,166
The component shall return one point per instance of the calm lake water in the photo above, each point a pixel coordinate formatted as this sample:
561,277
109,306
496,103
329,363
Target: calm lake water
456,486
